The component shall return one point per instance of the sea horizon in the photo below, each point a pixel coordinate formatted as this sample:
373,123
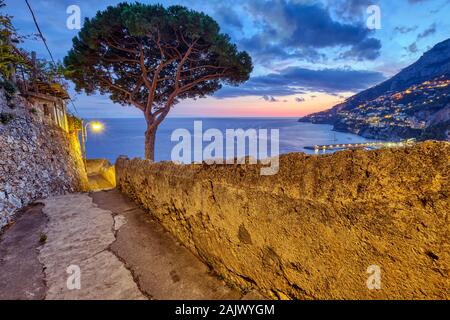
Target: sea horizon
125,136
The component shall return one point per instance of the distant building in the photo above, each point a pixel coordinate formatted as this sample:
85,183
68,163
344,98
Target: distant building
50,104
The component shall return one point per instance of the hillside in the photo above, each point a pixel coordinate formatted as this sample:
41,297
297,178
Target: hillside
415,103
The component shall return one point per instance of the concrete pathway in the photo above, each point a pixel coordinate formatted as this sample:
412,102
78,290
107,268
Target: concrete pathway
21,274
79,236
100,246
98,183
162,267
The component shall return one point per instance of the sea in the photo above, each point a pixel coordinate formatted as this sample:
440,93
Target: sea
125,136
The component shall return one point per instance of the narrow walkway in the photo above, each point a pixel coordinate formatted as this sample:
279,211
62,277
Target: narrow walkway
21,274
98,183
120,251
78,239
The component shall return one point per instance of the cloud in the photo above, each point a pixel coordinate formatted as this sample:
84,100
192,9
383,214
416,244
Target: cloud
299,99
296,80
270,99
263,51
412,48
427,32
288,29
228,16
404,30
353,10
368,49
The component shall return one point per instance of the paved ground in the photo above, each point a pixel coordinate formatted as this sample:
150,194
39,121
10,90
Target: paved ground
163,268
120,251
21,274
97,183
79,236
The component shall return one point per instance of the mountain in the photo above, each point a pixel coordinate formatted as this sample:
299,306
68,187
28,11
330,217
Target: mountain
415,103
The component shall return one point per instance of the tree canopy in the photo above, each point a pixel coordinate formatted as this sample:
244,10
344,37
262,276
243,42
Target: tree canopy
151,57
8,35
131,48
20,69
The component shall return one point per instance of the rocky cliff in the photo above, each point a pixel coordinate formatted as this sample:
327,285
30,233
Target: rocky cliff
413,102
316,229
433,63
37,159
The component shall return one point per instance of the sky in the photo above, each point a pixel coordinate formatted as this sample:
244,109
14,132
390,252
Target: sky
308,55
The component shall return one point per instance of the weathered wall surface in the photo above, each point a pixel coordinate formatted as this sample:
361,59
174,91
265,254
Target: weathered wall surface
103,168
312,230
37,159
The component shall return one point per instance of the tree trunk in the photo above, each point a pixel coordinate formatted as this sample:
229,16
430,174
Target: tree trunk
150,137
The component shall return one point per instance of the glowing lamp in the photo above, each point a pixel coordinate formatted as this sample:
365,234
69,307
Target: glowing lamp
97,126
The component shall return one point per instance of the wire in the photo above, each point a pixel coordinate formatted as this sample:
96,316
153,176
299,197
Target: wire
46,46
40,32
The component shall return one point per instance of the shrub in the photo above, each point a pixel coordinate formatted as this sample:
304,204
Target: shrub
5,117
43,238
74,123
10,89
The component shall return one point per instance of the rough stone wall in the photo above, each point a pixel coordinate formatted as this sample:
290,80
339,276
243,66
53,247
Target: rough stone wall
37,159
313,230
103,168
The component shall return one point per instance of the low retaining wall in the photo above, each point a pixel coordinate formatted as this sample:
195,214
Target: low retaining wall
316,229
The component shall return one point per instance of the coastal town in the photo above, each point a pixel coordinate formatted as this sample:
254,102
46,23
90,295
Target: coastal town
393,115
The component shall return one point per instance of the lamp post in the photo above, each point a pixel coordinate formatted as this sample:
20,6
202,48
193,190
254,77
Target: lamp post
96,126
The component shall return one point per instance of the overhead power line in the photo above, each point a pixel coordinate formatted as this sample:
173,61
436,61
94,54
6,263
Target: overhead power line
40,32
46,46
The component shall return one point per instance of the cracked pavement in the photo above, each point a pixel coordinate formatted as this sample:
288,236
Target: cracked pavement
121,253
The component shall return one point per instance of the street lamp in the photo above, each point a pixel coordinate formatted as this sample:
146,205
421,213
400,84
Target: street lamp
96,127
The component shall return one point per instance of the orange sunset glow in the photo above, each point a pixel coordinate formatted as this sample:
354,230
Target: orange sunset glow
256,106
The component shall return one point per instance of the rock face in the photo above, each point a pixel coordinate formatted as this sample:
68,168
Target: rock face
316,229
36,160
430,106
433,63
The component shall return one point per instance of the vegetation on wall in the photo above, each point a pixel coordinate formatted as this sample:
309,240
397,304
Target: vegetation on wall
9,89
75,124
6,117
20,68
8,36
436,132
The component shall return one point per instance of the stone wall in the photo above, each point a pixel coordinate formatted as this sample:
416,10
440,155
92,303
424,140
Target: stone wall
37,158
316,229
103,168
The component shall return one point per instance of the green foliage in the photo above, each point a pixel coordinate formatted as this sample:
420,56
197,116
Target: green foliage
74,123
6,118
436,132
42,238
118,52
53,72
13,58
8,36
9,87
